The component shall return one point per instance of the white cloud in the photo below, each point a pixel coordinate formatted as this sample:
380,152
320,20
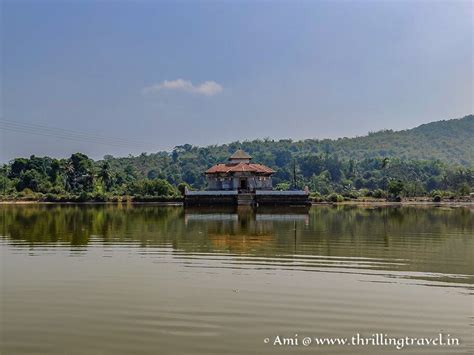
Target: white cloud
207,88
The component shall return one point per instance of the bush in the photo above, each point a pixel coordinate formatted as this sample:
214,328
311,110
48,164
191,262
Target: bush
464,189
99,197
115,198
334,197
351,194
436,198
50,197
84,196
157,187
28,195
378,193
283,186
315,197
182,186
395,187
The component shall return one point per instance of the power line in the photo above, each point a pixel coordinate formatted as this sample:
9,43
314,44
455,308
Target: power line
67,131
67,134
58,136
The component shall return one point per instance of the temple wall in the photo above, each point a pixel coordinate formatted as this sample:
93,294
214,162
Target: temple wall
214,183
260,183
233,182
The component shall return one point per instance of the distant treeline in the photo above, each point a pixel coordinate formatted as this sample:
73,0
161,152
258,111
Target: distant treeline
432,159
81,179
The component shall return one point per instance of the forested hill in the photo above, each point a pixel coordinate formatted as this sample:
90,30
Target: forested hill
450,142
428,159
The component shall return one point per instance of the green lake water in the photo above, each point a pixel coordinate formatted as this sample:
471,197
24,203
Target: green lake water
107,279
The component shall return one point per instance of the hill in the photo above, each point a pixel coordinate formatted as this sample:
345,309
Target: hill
424,160
450,142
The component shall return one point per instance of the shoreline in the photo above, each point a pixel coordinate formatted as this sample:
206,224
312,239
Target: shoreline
376,203
35,202
403,203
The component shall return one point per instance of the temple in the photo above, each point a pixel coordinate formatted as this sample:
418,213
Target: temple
241,182
239,174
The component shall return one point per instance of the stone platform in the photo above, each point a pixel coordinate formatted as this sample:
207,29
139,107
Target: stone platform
254,198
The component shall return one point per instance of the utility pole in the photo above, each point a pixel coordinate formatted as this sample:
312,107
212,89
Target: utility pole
294,174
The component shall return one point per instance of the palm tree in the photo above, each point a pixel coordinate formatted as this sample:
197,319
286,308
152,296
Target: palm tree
105,174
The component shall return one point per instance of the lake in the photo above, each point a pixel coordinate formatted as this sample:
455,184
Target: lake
113,279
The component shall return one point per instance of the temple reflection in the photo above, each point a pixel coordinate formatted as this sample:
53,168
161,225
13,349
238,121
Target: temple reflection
244,229
377,238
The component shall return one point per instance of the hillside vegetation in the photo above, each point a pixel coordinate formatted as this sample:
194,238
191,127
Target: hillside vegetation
428,159
450,142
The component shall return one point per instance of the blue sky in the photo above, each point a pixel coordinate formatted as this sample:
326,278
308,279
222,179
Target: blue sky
170,73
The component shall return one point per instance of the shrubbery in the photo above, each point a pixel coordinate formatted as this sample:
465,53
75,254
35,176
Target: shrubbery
335,198
316,197
378,193
77,179
351,194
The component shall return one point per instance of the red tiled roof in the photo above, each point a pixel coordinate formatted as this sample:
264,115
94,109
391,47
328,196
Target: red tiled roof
239,167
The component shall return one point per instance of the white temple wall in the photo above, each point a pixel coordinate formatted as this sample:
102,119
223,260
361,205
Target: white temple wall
233,182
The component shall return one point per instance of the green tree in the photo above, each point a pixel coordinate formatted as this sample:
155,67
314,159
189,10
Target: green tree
80,173
395,187
105,174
